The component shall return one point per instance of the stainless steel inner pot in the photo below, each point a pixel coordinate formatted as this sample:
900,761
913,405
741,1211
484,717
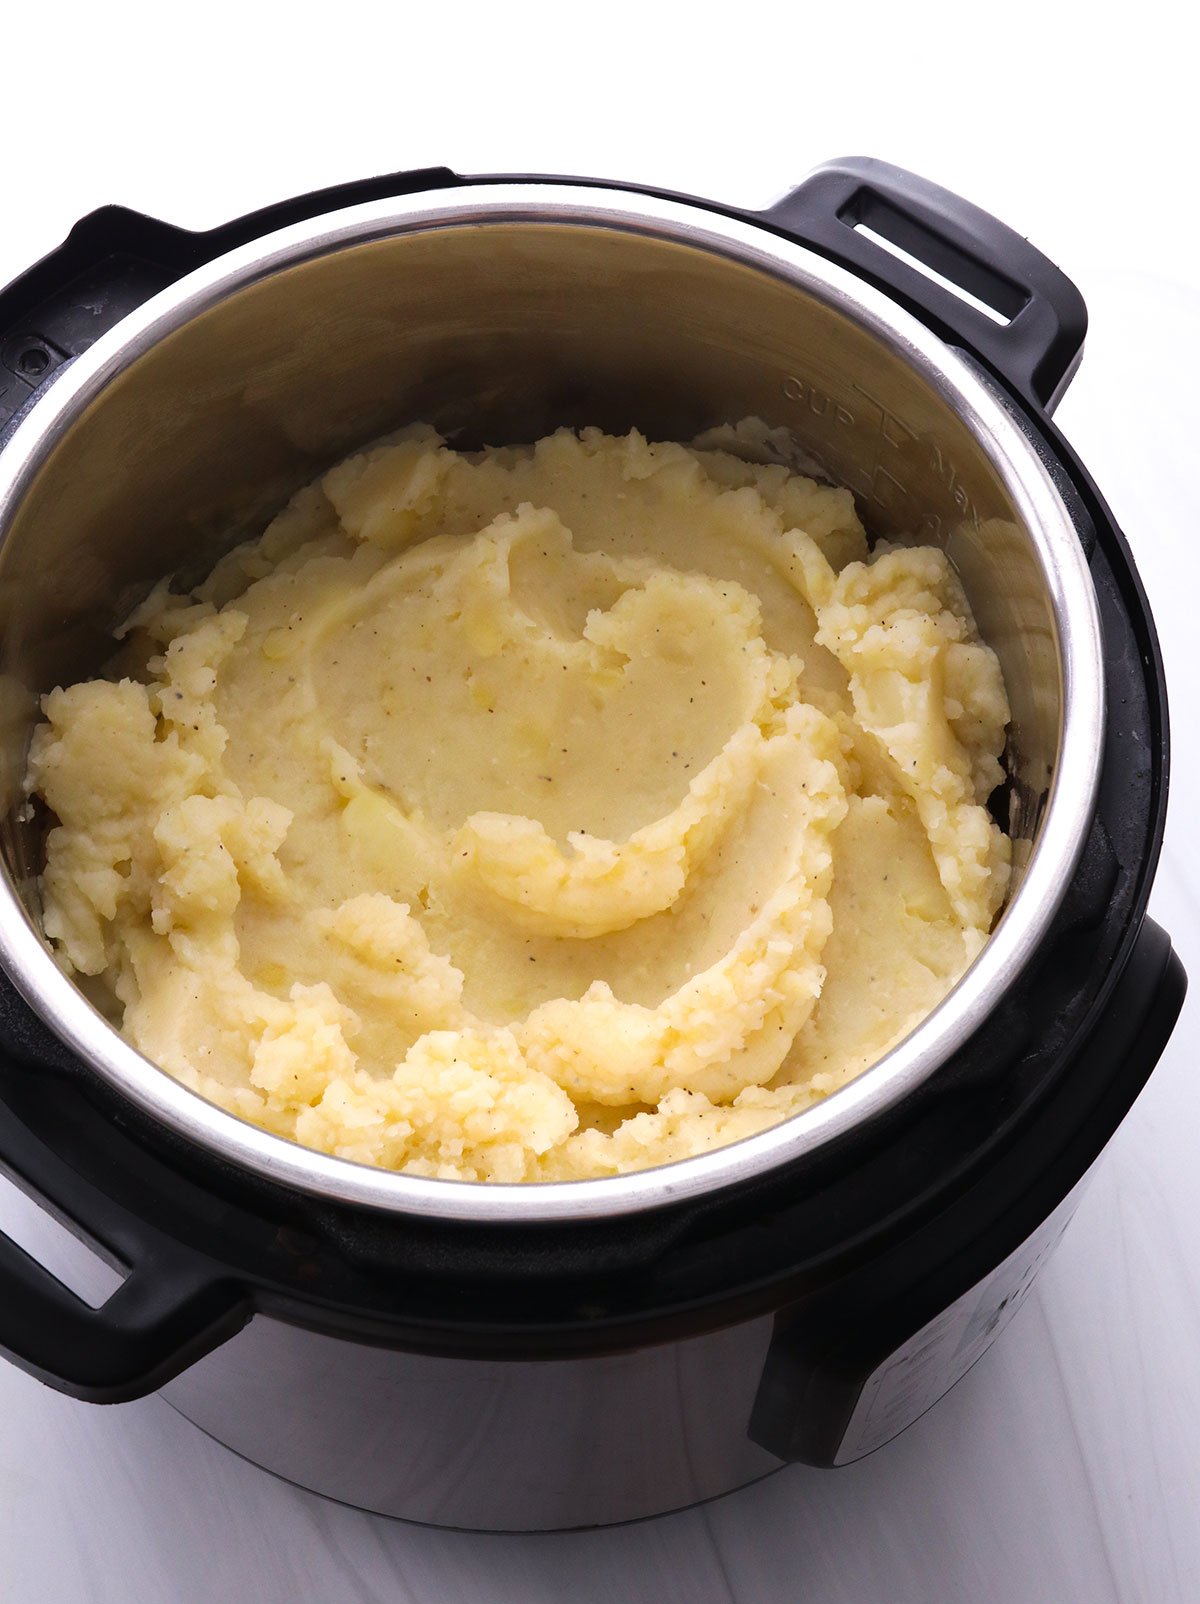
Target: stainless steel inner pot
497,313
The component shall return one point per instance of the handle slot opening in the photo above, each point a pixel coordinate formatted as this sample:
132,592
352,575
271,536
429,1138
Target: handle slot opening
936,258
87,1269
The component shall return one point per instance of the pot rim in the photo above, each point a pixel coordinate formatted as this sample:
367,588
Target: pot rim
26,955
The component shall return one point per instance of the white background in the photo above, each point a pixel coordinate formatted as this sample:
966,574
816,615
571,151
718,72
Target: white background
1067,1466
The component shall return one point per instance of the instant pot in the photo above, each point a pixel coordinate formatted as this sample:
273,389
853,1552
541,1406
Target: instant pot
570,1354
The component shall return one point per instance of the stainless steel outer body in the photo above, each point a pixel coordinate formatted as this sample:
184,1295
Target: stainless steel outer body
557,1444
483,1444
506,1445
497,313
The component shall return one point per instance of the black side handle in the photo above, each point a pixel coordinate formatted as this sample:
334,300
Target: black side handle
174,1306
1037,346
114,259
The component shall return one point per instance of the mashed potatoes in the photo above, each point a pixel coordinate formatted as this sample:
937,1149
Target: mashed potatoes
532,815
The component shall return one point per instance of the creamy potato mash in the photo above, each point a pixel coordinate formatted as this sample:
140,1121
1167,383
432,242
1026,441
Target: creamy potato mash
532,814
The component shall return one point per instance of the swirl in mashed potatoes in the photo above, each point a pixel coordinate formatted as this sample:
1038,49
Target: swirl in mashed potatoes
533,814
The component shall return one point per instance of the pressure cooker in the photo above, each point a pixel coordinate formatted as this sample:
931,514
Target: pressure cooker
576,1353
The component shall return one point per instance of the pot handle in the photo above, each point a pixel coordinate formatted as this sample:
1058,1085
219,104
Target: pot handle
173,1307
1034,339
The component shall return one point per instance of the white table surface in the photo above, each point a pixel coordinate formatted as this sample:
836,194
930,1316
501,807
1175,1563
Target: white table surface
1066,1466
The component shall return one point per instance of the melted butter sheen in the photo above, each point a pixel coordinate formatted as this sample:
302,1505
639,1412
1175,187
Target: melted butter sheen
543,813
